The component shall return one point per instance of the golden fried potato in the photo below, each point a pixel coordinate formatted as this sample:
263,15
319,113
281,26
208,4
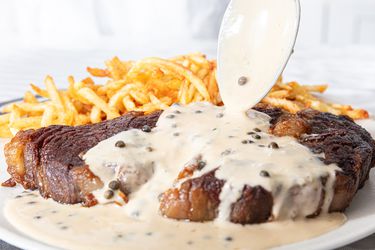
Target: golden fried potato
146,85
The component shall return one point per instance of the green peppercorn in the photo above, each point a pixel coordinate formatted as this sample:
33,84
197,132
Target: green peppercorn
257,130
120,144
201,165
146,129
108,194
242,80
264,173
273,145
114,185
257,137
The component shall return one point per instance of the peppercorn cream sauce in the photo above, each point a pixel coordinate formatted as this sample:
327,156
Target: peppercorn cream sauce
202,132
109,227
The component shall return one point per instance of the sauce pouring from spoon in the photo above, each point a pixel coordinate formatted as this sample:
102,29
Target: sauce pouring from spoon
256,40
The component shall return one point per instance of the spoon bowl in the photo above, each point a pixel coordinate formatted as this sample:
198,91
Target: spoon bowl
256,40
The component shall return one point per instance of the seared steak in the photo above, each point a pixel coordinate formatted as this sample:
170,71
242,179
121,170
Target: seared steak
198,200
48,159
341,140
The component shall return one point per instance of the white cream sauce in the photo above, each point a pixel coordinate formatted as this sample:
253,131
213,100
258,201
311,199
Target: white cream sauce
109,227
223,138
224,141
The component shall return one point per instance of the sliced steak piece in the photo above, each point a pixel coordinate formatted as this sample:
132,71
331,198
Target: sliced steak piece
48,159
196,200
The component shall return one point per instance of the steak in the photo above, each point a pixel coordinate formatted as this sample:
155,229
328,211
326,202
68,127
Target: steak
338,138
48,159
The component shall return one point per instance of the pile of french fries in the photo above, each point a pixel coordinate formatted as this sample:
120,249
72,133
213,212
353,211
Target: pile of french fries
145,85
294,97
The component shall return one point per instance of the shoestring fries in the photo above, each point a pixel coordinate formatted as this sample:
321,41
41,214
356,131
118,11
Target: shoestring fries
294,97
146,85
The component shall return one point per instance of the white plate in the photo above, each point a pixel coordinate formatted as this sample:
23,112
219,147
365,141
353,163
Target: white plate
361,214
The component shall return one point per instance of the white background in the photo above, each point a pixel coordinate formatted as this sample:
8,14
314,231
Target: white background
164,23
336,43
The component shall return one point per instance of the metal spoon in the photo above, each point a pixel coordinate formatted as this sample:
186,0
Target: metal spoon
256,40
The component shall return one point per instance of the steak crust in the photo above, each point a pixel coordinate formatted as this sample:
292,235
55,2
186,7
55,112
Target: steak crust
48,159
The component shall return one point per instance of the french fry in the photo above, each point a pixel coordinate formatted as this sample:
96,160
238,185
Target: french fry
316,88
114,86
194,68
116,99
89,82
8,108
82,120
4,119
341,107
15,114
39,91
48,116
154,100
92,97
72,93
186,63
116,68
27,122
30,98
197,98
279,94
128,103
283,103
53,94
95,115
357,114
198,58
166,100
198,84
183,93
32,107
5,132
146,85
190,93
98,72
68,104
139,97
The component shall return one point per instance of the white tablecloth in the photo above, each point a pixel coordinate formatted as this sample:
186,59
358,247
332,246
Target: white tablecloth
351,67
